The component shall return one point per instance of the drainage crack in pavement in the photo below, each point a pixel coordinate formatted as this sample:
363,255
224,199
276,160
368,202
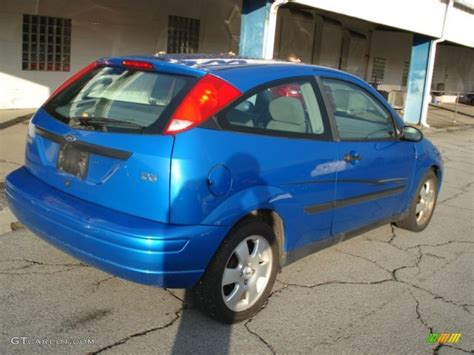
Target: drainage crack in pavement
139,334
435,296
463,189
434,256
337,282
464,306
32,263
35,272
285,286
457,207
394,277
102,281
430,328
344,335
366,259
391,241
418,314
442,244
258,336
35,262
337,339
396,280
393,236
439,346
174,295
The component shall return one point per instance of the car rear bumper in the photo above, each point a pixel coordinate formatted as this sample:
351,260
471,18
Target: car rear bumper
133,248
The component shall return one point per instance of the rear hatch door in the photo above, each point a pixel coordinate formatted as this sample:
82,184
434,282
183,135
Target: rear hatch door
100,139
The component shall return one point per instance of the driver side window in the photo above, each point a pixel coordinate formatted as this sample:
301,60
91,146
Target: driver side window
358,115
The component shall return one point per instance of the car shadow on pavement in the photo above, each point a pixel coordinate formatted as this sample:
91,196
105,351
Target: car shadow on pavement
198,334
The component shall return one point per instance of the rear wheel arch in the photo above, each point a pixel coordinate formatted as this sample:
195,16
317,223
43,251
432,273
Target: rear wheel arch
271,218
437,170
210,293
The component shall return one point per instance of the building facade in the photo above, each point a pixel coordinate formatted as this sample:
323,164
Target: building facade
37,53
404,48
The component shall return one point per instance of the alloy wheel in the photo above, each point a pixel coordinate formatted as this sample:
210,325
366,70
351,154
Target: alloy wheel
247,273
426,201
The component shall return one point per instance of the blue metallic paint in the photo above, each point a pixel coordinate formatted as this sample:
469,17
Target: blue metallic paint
108,177
134,248
278,173
165,233
390,161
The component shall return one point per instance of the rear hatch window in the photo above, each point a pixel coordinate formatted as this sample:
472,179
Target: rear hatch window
119,99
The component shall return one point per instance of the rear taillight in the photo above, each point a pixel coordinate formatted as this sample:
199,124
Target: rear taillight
137,64
207,97
73,78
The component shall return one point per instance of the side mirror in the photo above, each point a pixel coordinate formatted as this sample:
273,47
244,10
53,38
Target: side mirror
412,134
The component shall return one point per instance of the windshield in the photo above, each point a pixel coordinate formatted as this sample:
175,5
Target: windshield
115,99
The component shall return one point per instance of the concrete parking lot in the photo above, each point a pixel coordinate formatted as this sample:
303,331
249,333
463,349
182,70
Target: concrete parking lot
382,292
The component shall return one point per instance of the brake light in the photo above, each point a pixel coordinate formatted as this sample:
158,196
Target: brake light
73,78
137,64
207,97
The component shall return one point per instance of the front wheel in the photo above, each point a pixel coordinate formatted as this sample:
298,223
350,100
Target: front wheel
241,274
422,205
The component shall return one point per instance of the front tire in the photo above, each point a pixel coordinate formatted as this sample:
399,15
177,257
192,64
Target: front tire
241,274
422,205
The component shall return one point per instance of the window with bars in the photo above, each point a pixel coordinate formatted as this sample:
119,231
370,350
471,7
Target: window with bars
406,67
378,69
46,43
183,34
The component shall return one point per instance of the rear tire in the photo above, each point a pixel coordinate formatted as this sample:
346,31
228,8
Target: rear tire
241,275
422,205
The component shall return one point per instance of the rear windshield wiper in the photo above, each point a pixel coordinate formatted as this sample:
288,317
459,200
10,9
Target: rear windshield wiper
104,121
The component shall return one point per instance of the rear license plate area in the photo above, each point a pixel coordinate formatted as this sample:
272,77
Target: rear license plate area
73,161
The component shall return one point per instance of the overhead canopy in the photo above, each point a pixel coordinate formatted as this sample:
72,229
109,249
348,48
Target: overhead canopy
420,16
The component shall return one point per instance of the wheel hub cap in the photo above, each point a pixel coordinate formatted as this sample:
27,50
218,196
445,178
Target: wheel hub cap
426,201
247,273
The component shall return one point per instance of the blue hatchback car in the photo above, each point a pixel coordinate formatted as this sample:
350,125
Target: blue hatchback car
212,173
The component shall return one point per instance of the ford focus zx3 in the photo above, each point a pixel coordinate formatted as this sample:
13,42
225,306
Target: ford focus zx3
212,173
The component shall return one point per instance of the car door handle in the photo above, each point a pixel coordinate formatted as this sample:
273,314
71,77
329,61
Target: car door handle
352,156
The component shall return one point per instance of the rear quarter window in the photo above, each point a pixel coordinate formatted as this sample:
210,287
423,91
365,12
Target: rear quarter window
289,109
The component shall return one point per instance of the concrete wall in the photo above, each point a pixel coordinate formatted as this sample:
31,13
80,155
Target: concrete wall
342,42
328,39
395,47
105,28
332,41
454,67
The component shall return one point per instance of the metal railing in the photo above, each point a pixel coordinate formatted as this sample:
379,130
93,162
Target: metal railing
456,107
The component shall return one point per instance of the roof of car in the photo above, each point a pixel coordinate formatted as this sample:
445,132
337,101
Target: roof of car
213,62
243,72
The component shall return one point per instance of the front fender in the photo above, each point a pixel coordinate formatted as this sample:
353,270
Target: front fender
427,157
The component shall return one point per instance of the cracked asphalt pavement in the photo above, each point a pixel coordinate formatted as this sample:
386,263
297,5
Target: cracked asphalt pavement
381,292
